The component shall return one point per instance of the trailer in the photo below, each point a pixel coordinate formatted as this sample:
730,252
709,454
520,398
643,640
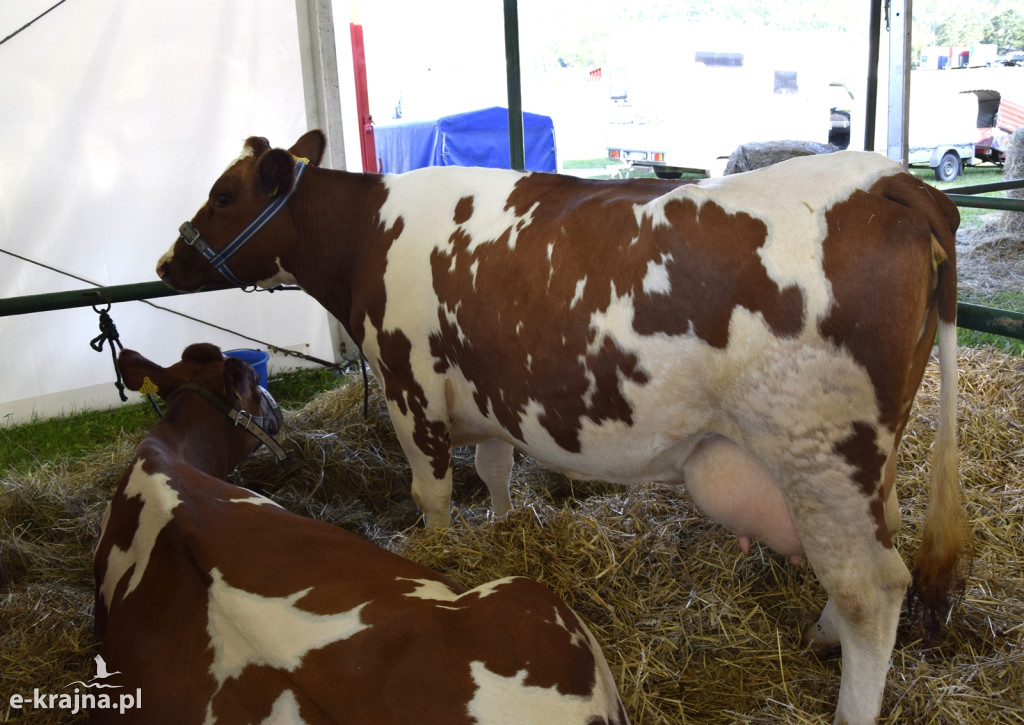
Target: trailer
980,55
943,132
998,118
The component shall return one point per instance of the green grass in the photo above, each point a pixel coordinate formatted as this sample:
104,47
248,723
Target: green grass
297,388
71,436
598,163
74,435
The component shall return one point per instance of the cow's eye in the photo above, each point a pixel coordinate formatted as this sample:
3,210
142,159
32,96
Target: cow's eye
222,200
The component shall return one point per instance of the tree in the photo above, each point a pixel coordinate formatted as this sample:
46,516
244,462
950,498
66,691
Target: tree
1006,30
960,28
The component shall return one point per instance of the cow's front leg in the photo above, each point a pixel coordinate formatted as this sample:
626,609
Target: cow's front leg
427,446
433,496
494,466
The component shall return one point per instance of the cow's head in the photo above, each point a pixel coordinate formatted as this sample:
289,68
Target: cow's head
258,178
218,397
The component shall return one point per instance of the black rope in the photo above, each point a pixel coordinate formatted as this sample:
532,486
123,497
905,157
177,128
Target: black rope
269,346
108,332
366,387
26,25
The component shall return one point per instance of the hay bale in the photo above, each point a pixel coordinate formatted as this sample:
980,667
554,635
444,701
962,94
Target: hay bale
1013,222
757,155
693,630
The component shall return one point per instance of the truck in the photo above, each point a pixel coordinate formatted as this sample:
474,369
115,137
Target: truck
980,55
683,98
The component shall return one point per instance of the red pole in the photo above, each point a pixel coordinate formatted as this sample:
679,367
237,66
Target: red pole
366,144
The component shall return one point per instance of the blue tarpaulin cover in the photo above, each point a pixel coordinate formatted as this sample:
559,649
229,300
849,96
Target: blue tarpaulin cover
474,138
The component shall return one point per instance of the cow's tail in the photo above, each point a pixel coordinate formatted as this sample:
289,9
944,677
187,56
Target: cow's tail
939,566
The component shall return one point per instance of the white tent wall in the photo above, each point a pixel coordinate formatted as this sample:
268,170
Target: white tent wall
115,118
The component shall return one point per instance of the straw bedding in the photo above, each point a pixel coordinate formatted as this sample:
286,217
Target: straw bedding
694,631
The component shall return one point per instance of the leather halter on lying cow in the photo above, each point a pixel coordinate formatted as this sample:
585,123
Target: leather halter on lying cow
219,606
760,337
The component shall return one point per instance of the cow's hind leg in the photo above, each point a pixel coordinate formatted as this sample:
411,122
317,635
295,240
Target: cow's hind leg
866,613
822,637
494,466
866,581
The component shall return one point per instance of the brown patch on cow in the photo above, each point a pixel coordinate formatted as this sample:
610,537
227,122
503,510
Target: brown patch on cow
463,210
879,309
714,269
401,387
860,449
580,250
344,275
403,634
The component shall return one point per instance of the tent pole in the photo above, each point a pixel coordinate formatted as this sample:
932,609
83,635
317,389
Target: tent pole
516,144
871,94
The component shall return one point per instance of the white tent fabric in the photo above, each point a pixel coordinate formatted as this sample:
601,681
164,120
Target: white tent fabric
115,118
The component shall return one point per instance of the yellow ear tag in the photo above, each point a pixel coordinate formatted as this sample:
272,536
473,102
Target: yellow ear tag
148,387
303,159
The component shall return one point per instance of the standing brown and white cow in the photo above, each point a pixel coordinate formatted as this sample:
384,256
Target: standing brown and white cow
760,337
218,606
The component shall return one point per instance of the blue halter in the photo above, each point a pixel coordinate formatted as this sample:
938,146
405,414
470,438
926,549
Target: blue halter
219,260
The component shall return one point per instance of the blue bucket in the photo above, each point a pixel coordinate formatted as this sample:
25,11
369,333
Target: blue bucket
257,358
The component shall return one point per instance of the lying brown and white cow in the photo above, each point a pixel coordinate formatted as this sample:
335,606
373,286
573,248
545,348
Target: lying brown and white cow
216,605
760,336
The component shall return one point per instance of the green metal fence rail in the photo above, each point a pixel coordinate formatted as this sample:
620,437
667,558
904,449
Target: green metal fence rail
972,317
89,297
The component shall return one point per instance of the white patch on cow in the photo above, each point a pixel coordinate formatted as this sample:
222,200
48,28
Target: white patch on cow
510,700
578,637
256,500
441,592
167,256
250,629
425,201
282,276
578,294
285,711
656,281
158,503
247,153
796,222
430,589
473,270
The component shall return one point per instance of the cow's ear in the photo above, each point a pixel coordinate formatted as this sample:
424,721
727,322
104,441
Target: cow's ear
141,374
275,171
311,146
256,145
239,380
